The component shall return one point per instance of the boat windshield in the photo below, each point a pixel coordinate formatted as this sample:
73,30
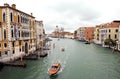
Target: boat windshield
54,67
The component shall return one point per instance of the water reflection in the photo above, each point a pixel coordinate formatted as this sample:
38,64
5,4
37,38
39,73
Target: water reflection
54,76
78,61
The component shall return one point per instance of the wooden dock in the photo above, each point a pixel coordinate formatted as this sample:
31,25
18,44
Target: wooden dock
16,64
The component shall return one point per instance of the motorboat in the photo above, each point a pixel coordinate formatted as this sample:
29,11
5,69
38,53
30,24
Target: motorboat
87,42
62,49
54,69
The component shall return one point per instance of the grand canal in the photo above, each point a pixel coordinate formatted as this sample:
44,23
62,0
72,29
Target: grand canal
78,61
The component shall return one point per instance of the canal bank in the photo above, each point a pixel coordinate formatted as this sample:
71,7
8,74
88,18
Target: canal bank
78,61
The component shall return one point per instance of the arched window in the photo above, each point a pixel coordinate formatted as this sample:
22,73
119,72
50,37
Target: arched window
11,17
3,17
4,34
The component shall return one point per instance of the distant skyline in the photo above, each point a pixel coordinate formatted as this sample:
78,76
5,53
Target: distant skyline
69,14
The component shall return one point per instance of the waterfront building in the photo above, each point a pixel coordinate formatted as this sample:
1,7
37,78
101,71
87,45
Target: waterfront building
40,34
17,33
108,31
96,34
89,33
81,33
68,35
75,34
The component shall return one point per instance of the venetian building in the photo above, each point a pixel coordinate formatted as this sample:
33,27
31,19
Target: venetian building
108,31
89,34
81,34
96,34
17,33
40,34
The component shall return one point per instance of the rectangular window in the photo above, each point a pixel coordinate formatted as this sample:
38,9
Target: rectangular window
13,52
19,42
0,54
6,52
19,33
5,45
109,36
18,18
13,44
115,36
12,33
97,34
11,17
4,34
116,30
29,46
22,48
109,30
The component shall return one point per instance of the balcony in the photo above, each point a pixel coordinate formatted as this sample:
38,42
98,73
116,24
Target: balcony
25,38
13,39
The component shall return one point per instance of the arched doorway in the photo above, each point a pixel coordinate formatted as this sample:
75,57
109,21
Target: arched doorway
26,48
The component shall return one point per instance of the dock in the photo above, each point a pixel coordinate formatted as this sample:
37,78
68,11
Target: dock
16,64
30,57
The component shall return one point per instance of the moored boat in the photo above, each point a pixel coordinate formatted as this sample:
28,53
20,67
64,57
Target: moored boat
54,69
87,42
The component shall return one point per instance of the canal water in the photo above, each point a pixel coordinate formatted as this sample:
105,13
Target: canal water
78,61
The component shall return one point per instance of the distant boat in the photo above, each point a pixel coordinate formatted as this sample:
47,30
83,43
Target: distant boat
43,54
87,42
54,69
62,49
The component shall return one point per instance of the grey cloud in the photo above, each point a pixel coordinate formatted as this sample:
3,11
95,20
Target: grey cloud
77,10
73,15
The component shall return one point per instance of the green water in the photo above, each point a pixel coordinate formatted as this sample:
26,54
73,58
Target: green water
78,61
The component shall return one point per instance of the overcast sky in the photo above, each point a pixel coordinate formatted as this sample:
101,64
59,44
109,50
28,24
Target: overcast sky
69,14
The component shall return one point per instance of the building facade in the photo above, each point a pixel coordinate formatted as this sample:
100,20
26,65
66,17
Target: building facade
108,31
17,33
89,34
96,34
81,33
40,35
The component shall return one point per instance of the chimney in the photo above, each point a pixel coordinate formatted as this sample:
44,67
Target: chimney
6,4
31,14
14,6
